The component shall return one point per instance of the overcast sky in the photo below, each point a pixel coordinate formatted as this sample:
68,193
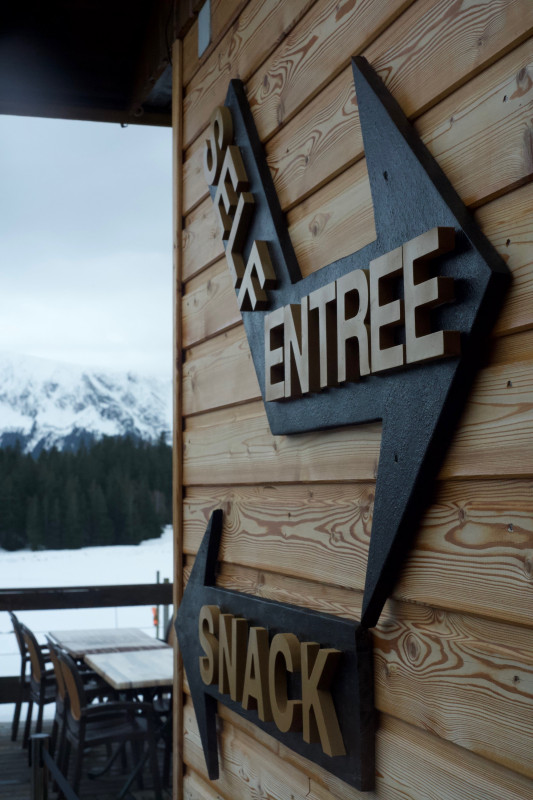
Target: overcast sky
86,243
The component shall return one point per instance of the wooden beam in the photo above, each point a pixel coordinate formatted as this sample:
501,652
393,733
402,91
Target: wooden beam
155,54
86,596
21,108
177,458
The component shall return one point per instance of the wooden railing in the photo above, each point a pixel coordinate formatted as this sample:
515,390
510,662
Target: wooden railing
40,599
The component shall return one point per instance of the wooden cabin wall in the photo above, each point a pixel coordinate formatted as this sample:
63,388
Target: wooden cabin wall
454,645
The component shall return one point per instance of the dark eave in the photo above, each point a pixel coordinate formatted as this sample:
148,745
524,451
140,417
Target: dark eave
101,60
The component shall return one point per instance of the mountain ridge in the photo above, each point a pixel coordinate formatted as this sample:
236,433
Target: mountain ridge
45,403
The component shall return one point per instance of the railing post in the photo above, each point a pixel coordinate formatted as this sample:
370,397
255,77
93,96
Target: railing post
158,580
165,612
39,772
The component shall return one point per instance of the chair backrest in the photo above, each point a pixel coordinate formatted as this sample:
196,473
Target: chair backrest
36,657
73,685
18,633
58,672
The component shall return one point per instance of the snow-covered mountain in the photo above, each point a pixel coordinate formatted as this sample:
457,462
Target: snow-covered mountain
45,403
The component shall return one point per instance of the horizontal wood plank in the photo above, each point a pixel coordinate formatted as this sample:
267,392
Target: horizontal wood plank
252,38
470,536
334,222
481,142
435,43
436,670
211,308
508,223
201,240
239,448
495,436
215,370
223,14
409,763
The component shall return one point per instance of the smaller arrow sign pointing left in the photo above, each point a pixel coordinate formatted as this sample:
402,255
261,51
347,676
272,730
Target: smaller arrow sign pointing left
303,677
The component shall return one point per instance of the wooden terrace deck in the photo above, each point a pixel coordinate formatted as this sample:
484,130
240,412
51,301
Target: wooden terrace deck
15,773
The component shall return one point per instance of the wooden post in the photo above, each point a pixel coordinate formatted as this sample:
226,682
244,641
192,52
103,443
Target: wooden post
177,458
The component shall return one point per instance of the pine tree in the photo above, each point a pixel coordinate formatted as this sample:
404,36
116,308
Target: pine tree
34,529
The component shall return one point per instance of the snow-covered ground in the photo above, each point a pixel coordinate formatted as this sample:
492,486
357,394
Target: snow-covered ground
89,566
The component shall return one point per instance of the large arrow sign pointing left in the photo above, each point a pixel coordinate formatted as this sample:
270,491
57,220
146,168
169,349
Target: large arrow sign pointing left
327,691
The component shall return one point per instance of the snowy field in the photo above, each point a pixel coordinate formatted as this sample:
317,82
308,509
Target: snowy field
89,566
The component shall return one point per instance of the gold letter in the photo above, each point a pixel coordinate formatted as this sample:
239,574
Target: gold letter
255,692
385,313
321,305
299,378
320,721
422,293
220,135
208,633
287,713
259,275
232,655
352,313
233,179
274,373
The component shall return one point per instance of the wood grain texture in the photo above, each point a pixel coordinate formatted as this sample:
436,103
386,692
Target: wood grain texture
219,363
223,14
509,349
236,446
465,680
508,223
435,37
212,307
195,187
313,54
251,39
471,537
495,434
436,670
201,240
492,117
411,764
334,222
482,143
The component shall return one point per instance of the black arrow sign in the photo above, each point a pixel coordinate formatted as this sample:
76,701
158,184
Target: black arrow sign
419,406
351,690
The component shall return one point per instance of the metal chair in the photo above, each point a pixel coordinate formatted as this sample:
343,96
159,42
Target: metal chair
24,682
117,723
42,681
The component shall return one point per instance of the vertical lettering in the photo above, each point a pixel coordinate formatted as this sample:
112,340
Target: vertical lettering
255,692
298,378
258,276
284,656
208,633
232,637
423,293
385,313
220,135
320,723
274,371
352,328
323,335
233,179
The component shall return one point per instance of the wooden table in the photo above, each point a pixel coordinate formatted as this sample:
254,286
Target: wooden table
134,669
105,640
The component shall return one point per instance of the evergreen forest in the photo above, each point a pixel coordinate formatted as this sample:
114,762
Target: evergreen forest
116,491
